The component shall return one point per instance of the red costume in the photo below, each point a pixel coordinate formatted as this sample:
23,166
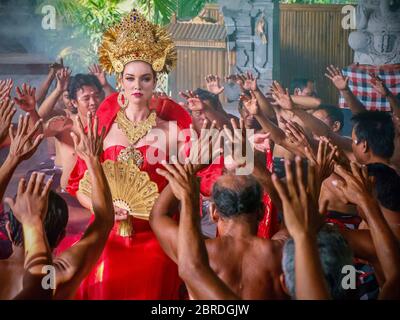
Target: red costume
132,267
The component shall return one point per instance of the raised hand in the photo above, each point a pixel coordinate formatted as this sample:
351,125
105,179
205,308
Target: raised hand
296,135
300,203
26,98
206,148
282,97
182,179
261,141
214,84
194,103
324,162
250,103
237,143
7,112
22,147
379,85
56,66
88,146
96,70
337,78
5,88
57,125
63,76
30,205
356,186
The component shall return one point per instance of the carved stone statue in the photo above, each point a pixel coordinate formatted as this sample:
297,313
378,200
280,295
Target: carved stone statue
377,39
250,26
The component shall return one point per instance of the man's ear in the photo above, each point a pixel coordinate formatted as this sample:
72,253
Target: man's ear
364,145
74,103
336,126
214,216
283,284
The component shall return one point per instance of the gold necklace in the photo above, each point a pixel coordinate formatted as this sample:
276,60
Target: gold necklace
135,131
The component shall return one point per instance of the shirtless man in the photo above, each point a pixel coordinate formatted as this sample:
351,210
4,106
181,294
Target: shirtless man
250,266
74,264
85,93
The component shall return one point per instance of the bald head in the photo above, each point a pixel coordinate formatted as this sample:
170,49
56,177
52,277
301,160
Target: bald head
237,195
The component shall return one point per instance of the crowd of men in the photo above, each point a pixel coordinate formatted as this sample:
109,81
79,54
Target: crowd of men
336,197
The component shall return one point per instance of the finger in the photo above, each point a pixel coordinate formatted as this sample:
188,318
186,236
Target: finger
36,143
38,183
95,127
46,189
80,126
11,132
166,174
21,186
178,167
171,169
25,122
31,183
280,189
299,176
34,129
289,179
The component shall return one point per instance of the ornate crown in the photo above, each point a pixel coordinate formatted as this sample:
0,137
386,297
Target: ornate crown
133,39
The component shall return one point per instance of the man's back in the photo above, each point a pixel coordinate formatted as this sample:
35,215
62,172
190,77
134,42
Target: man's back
250,266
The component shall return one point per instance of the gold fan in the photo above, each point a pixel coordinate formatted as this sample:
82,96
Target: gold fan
131,190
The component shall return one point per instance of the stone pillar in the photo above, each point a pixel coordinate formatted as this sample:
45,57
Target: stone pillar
253,33
377,39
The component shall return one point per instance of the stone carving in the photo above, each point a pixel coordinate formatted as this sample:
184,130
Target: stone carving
253,33
377,39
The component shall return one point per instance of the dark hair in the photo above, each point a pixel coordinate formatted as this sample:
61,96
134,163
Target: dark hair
300,83
377,129
334,113
207,95
78,81
243,197
54,224
387,185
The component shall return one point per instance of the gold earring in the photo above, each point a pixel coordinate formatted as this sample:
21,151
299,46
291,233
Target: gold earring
123,104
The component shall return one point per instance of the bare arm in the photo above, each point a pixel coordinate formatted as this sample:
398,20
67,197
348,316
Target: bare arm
380,87
304,102
30,209
22,147
342,84
101,76
303,222
76,262
357,187
161,222
62,84
44,86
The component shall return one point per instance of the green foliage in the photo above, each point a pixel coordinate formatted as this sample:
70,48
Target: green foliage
80,26
320,1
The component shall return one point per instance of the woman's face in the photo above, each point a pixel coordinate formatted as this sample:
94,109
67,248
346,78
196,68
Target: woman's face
138,81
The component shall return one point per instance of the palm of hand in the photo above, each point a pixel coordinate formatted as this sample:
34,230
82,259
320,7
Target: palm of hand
252,106
27,103
195,104
215,87
285,102
340,82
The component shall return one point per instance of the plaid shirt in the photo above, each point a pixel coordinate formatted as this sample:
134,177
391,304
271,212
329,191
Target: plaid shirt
359,84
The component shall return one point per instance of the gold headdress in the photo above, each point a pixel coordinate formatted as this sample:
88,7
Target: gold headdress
133,39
